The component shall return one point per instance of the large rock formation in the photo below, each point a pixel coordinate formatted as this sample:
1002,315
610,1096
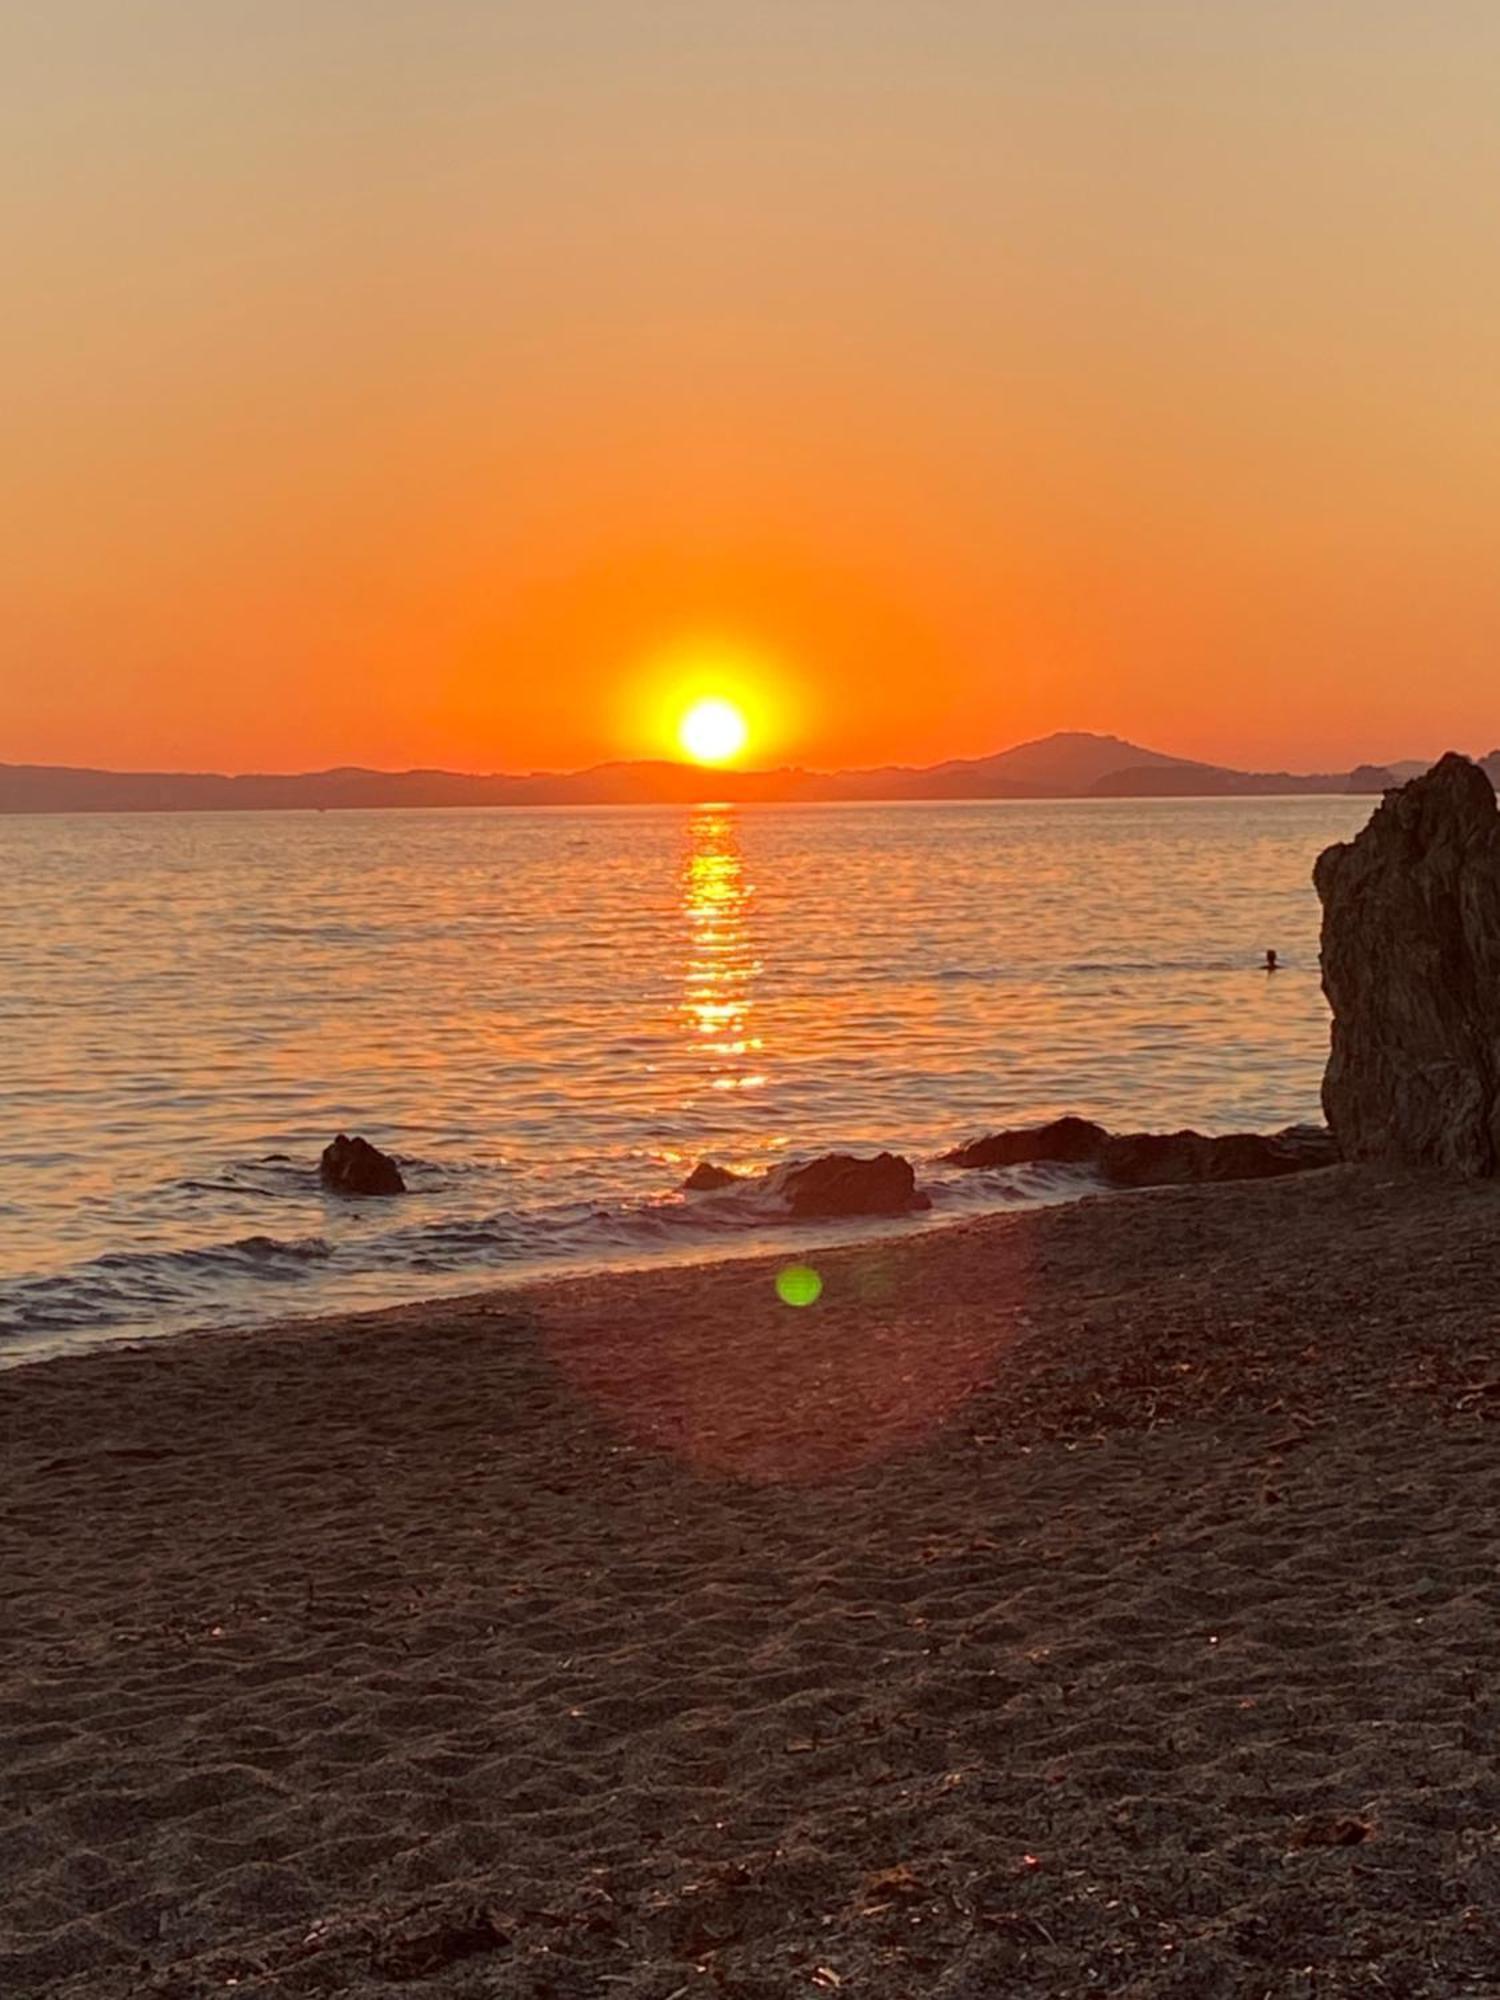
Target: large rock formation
354,1166
1411,967
1155,1159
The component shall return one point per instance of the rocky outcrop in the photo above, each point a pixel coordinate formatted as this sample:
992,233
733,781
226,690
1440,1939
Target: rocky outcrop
1155,1159
706,1178
1411,968
354,1166
838,1184
1069,1141
1169,1159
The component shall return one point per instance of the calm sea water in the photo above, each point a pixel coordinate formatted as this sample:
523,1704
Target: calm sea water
549,1016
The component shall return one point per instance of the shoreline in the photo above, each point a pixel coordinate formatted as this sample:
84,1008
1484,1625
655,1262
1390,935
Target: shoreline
1049,1174
1098,1597
793,1241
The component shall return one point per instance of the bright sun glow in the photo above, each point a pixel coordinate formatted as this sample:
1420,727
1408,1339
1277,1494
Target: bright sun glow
712,731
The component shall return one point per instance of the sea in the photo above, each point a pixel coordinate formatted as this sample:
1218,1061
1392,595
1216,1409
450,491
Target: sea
549,1016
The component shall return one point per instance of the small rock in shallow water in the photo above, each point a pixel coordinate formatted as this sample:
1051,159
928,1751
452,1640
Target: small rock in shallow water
843,1184
354,1166
1071,1141
1155,1159
1166,1159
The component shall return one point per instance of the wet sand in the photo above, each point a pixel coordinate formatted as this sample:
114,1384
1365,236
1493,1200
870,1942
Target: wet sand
1099,1601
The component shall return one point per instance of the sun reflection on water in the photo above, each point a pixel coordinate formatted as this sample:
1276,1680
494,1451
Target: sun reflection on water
722,966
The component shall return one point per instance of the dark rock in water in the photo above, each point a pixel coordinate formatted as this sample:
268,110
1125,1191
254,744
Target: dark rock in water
1156,1159
354,1166
706,1178
842,1184
1411,968
1152,1159
1168,1159
1072,1141
1295,1149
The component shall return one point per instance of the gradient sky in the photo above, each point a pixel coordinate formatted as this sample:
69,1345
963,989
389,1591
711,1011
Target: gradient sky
444,383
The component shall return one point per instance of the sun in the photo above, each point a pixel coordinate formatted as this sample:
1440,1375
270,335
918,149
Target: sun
712,731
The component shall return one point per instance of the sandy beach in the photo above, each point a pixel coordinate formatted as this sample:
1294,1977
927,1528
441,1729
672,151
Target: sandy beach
1104,1600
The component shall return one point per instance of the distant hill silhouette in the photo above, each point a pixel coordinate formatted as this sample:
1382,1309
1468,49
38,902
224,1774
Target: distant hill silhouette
1070,764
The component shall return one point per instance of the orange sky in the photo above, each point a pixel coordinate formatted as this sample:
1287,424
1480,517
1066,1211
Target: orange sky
420,383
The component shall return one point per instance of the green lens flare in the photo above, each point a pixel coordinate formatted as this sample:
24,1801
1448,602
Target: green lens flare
799,1285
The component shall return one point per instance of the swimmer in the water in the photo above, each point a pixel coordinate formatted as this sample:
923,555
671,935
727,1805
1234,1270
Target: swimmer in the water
1271,961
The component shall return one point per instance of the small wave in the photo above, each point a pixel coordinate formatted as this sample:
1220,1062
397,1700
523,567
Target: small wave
1113,968
281,1177
427,1174
213,1256
122,1286
312,1248
273,1174
1036,1184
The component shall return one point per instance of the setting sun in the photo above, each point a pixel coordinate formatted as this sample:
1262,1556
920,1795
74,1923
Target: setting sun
712,731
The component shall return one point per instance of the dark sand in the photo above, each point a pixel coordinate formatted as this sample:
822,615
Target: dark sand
1103,1601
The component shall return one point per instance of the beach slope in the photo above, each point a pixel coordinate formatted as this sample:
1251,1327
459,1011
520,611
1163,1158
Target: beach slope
1104,1600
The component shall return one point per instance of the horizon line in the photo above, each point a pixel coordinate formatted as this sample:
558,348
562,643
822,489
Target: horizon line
682,765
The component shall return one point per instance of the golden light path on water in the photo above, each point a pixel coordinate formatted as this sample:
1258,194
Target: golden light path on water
722,965
725,1377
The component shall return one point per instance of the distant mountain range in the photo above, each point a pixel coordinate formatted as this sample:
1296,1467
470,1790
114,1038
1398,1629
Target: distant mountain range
1070,765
